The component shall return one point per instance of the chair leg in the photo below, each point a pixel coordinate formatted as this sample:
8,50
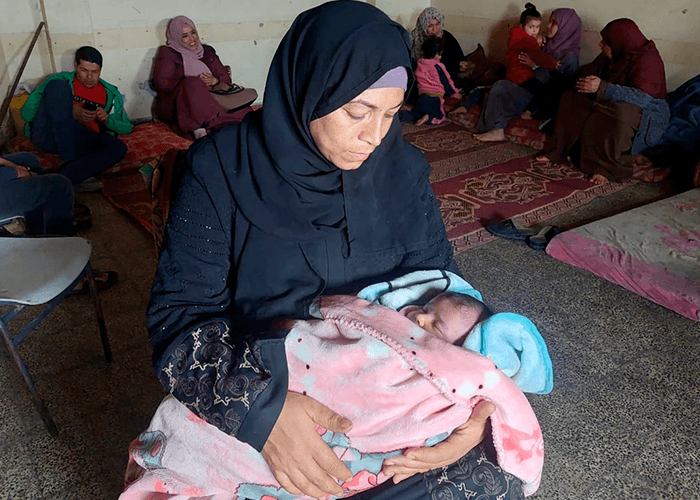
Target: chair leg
38,402
98,312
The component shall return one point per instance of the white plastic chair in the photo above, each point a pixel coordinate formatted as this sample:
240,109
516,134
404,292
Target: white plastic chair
36,271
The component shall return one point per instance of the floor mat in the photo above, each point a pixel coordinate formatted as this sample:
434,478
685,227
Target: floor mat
478,182
475,183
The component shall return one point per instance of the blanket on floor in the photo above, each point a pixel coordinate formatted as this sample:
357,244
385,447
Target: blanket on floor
400,386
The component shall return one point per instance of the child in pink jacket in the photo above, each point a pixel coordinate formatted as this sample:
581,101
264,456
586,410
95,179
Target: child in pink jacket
434,84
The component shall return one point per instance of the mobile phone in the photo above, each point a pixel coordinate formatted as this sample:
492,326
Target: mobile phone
90,106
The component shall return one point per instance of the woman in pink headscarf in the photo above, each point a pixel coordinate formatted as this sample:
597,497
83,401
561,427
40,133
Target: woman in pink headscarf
186,72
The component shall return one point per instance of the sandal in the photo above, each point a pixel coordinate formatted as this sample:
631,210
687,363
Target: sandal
540,240
103,280
509,231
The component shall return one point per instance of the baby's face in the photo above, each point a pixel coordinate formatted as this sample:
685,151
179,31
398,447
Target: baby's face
444,318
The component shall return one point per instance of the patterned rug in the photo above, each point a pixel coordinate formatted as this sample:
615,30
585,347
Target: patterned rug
480,182
474,182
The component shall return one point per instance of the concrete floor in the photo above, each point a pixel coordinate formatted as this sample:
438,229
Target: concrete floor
621,423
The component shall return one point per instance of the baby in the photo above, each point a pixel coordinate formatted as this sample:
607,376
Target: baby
450,316
446,306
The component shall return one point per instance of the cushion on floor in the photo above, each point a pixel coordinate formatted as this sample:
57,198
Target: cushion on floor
651,250
519,131
147,142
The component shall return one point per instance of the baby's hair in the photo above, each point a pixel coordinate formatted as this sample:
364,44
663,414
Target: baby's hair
470,303
529,13
432,46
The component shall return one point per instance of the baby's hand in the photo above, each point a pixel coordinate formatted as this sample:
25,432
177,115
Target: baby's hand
541,39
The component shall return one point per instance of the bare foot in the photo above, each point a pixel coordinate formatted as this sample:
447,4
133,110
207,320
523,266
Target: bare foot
494,135
598,179
543,158
459,110
423,120
527,115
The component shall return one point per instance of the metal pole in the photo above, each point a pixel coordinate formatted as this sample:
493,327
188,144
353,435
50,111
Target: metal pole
6,102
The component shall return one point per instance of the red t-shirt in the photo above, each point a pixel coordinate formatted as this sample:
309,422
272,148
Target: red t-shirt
96,95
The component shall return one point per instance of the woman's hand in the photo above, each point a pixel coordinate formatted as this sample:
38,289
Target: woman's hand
209,79
526,60
588,84
297,455
459,443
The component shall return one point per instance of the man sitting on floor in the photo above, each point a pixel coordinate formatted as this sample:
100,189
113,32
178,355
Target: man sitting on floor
77,115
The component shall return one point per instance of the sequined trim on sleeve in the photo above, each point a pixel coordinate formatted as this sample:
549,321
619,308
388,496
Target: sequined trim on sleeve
214,378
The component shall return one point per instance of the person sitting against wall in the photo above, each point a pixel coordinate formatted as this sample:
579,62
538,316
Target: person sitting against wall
430,24
618,108
195,92
563,43
509,98
77,115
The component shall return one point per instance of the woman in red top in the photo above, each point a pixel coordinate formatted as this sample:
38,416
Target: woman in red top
186,71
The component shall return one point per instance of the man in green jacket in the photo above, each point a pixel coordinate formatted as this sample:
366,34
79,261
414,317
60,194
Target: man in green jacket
77,115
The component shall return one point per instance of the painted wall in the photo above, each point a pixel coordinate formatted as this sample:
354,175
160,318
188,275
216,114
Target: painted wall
246,33
671,24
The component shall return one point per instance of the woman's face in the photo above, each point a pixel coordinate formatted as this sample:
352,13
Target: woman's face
433,27
552,27
605,49
348,135
189,37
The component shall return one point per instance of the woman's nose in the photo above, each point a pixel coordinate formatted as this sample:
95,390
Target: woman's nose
373,133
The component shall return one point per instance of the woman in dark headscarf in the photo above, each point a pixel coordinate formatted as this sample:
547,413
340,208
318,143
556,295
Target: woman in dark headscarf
618,109
317,192
430,23
185,73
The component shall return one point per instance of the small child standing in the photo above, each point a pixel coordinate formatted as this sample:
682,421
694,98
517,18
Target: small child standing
434,84
524,39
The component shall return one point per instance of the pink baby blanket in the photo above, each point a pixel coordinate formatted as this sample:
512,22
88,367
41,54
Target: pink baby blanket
400,386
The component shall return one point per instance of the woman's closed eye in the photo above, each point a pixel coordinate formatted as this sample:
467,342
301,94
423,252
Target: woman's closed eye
354,116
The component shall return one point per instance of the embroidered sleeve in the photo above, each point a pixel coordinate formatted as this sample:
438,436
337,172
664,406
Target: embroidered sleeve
216,378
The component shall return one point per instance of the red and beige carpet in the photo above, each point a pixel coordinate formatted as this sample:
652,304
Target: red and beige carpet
480,182
474,182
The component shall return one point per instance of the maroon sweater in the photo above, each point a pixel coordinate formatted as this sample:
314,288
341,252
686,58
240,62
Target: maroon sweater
169,72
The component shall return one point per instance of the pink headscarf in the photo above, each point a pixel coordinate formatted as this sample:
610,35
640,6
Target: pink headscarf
190,58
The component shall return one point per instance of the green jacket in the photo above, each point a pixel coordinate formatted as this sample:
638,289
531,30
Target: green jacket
117,120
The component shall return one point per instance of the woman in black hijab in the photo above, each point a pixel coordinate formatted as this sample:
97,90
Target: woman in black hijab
317,192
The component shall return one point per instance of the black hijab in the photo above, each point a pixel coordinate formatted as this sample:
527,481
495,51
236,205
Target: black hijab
279,179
